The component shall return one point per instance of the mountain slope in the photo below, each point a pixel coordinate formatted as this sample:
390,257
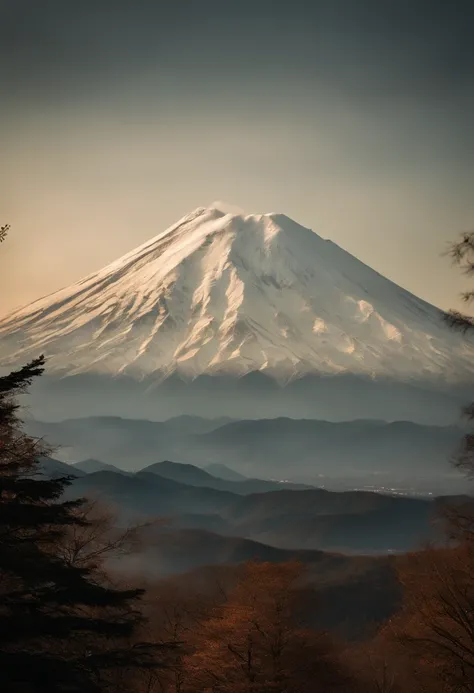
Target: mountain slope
397,449
195,476
313,519
221,471
145,494
90,466
359,521
222,293
50,467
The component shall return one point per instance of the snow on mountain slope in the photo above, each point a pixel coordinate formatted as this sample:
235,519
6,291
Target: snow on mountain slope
228,293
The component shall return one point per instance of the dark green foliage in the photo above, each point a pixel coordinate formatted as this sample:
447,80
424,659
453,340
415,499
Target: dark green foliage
63,626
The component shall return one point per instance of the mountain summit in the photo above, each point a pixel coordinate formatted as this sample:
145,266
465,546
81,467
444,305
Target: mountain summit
231,294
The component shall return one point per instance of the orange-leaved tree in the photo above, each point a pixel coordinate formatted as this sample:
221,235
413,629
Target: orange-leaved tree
255,641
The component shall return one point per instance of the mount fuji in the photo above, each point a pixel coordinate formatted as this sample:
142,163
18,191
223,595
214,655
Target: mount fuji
226,297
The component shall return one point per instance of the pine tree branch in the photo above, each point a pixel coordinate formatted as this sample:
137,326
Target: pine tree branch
4,231
458,321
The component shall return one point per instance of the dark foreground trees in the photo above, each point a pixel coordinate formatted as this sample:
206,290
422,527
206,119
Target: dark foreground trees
63,625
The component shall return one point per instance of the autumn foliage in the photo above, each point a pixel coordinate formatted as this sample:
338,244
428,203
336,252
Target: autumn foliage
243,633
254,640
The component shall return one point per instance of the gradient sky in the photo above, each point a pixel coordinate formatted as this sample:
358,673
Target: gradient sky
354,117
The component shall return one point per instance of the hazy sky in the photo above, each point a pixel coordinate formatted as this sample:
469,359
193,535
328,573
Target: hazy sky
354,117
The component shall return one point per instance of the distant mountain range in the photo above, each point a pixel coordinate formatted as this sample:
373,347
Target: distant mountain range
299,451
310,519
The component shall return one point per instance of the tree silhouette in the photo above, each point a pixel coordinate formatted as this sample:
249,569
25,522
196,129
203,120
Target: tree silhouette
4,231
462,254
436,624
62,626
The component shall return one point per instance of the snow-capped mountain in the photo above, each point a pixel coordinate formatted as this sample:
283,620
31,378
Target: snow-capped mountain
229,293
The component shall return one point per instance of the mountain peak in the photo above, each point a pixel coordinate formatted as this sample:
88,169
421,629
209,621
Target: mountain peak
230,213
222,291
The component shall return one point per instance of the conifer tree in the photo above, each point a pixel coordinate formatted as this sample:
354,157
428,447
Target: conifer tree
3,231
63,627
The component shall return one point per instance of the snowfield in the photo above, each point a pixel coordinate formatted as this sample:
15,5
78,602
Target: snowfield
230,293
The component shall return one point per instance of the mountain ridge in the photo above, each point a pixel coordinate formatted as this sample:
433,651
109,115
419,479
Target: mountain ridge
401,454
197,476
360,521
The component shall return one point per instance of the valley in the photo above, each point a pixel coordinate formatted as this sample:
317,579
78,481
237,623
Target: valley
189,500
